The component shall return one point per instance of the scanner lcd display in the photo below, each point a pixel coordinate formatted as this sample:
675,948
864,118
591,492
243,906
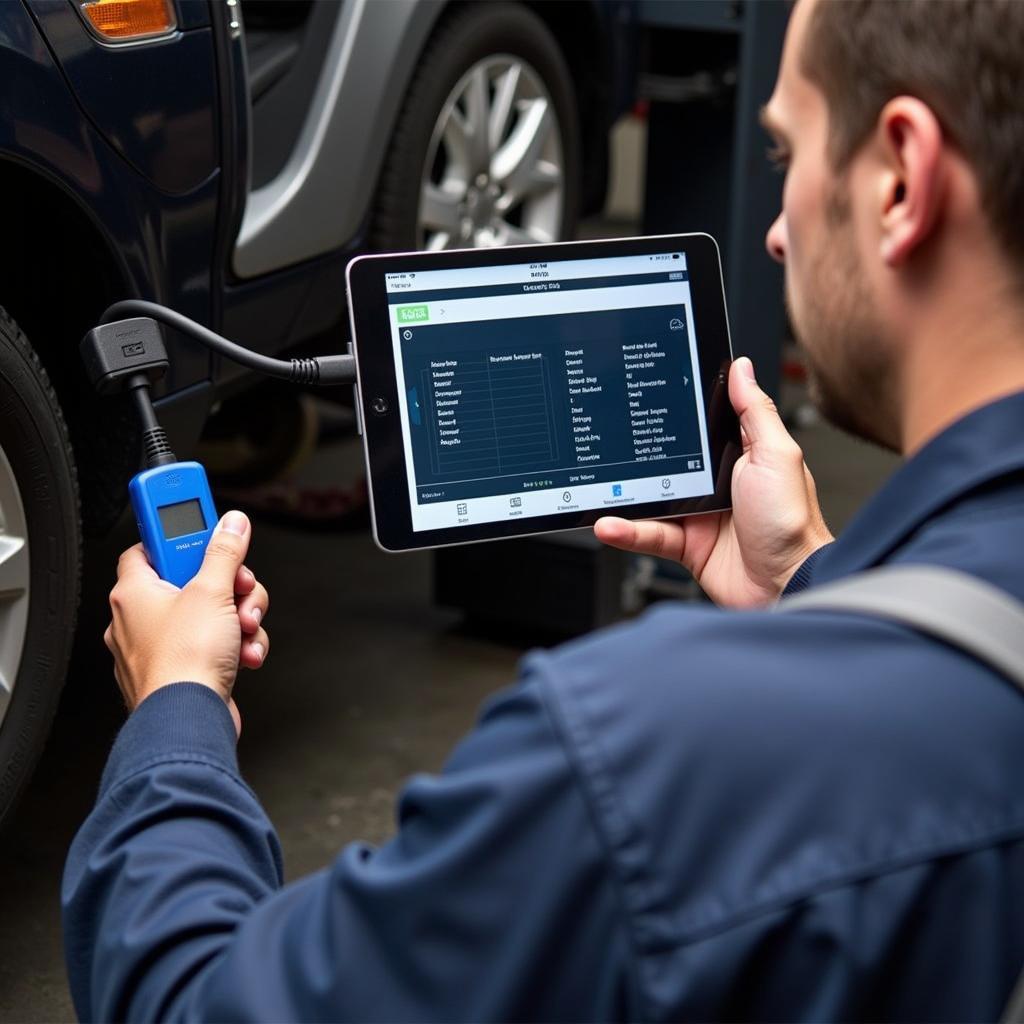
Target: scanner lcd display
181,518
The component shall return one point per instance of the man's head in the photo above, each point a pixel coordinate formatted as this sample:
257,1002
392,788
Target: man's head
901,126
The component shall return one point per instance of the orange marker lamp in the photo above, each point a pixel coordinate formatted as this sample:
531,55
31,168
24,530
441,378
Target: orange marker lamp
130,19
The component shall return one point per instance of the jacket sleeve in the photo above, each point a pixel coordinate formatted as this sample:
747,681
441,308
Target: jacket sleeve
804,575
494,898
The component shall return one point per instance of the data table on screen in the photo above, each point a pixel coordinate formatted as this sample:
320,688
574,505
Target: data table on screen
489,415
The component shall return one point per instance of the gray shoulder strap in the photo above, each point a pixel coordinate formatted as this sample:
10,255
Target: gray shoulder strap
949,605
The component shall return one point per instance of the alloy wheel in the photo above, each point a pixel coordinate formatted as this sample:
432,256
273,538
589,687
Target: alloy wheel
494,173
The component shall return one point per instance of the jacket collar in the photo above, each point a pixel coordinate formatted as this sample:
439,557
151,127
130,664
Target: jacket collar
983,445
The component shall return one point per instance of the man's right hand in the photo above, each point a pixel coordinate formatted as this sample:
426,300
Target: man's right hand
743,558
201,633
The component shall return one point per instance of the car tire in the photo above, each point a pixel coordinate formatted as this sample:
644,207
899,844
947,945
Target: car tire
40,558
472,37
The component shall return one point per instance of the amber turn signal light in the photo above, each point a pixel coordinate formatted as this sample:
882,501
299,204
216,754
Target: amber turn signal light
130,19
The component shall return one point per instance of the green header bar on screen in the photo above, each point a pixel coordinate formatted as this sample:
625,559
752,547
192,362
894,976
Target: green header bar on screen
412,314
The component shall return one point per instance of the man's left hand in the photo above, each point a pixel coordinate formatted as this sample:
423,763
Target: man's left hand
201,633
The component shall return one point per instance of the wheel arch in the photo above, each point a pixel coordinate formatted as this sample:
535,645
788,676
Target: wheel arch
357,107
342,146
55,284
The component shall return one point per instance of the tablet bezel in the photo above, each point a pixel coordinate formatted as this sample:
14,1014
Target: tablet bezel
377,387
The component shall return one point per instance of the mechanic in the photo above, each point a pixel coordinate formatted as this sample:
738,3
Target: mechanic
706,813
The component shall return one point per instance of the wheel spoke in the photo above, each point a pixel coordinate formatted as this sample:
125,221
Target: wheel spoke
514,164
439,240
14,568
439,208
543,177
504,100
478,116
456,141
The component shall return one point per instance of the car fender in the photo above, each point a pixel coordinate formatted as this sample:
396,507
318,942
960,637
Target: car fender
318,201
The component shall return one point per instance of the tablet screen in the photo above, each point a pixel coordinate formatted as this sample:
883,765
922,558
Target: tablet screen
531,389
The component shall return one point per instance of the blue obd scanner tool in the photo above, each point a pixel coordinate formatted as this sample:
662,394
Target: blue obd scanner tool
175,515
172,502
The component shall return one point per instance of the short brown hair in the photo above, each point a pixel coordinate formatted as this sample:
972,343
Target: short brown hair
964,58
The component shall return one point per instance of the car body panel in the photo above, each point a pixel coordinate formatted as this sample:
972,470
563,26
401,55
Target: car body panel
318,201
160,243
315,204
167,134
192,13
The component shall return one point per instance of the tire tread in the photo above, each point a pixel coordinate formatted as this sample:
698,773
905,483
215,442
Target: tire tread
34,724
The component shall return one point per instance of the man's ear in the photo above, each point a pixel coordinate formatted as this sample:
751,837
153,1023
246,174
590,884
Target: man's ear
913,182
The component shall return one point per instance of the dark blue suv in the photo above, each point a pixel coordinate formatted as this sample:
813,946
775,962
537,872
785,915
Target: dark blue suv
226,158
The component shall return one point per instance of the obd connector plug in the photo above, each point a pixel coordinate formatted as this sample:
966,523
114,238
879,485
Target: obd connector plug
129,355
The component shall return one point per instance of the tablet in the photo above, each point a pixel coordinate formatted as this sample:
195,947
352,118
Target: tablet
505,392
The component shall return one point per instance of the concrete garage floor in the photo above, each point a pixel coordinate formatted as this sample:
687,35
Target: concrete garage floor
366,683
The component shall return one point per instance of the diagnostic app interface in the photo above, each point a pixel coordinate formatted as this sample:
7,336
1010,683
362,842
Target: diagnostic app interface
538,388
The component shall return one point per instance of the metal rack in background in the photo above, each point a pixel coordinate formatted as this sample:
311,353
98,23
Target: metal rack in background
707,68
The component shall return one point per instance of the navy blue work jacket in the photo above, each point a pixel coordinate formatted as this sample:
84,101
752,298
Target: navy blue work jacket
702,814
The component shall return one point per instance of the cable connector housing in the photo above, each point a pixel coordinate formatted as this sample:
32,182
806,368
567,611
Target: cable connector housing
115,352
323,370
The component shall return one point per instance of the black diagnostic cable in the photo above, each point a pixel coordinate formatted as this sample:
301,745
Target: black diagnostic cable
154,440
125,352
323,370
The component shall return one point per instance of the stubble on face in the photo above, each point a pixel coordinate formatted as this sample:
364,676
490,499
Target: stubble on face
851,375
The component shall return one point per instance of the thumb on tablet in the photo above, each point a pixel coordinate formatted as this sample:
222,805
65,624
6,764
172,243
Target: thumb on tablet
765,435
